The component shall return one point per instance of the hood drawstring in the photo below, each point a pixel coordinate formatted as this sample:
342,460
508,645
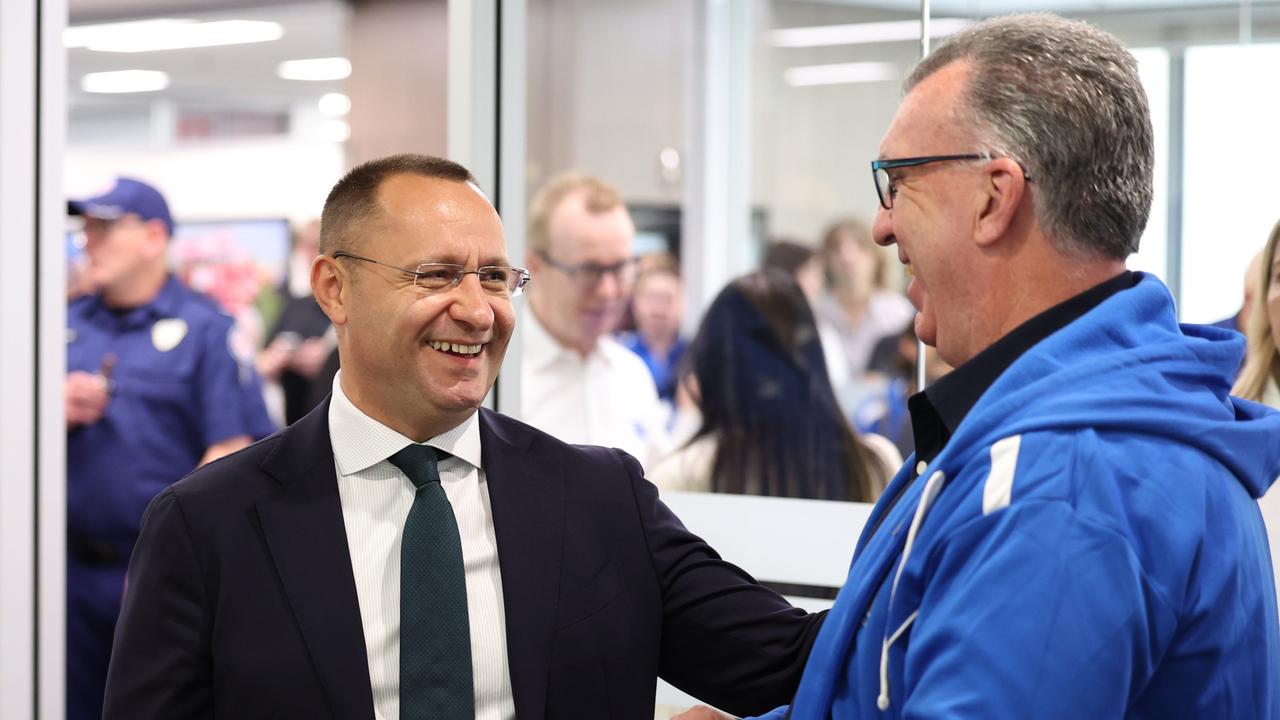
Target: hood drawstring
930,493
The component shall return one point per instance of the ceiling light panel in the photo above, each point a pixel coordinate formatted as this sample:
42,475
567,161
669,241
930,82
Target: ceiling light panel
334,104
124,81
863,33
315,69
839,74
167,34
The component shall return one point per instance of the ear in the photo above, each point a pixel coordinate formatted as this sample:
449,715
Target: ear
330,285
1003,189
157,235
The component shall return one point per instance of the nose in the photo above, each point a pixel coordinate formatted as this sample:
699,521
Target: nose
470,306
882,228
610,286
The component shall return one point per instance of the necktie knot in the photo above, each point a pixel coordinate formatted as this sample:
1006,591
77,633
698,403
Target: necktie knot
418,462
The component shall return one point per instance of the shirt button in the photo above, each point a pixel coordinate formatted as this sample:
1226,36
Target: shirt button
921,467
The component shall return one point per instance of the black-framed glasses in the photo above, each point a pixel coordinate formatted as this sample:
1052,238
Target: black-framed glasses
590,274
438,277
885,185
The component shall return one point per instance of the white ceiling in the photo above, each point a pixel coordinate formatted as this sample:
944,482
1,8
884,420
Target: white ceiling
233,77
90,10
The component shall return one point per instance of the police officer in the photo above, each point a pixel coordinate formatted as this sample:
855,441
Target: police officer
153,390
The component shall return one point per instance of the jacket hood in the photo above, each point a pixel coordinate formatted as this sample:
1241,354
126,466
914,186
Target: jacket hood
1131,367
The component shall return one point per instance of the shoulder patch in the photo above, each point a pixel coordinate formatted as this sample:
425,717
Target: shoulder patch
166,334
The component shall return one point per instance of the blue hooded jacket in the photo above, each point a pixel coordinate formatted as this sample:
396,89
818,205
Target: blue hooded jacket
1087,545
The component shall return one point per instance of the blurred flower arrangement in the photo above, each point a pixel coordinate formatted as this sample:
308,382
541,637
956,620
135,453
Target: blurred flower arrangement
214,264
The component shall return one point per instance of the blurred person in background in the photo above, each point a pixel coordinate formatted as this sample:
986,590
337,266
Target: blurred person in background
856,303
802,263
577,382
657,306
153,390
770,422
78,282
1260,379
301,342
893,373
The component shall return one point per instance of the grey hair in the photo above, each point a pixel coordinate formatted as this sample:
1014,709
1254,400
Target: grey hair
1064,99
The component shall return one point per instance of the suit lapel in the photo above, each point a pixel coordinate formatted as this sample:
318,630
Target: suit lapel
526,491
307,539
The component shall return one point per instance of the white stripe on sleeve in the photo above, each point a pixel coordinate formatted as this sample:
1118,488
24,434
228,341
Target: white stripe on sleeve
998,491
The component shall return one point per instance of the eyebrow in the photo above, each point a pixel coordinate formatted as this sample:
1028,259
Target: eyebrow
488,262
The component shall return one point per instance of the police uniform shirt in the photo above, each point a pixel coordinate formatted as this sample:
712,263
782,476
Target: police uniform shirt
176,388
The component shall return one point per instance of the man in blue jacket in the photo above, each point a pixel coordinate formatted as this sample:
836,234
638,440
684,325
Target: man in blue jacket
1077,535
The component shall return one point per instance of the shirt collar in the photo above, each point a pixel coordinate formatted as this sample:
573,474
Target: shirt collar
943,405
360,442
168,301
166,304
541,350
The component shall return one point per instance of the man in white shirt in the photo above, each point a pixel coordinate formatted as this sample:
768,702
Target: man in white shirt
577,382
400,553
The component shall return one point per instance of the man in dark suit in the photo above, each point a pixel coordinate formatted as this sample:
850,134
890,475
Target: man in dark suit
399,553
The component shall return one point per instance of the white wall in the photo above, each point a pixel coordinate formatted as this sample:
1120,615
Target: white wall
242,179
1232,150
606,91
813,145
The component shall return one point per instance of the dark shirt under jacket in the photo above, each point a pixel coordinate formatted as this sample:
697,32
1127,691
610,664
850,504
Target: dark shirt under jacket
939,410
303,317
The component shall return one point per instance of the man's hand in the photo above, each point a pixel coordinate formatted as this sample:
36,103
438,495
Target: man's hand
226,447
703,712
310,357
276,356
86,398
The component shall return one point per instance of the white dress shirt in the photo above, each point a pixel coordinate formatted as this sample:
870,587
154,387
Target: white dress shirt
607,398
376,498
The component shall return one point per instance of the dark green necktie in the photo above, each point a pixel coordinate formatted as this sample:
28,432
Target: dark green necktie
435,637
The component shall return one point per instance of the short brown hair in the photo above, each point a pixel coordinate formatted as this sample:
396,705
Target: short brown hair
599,197
353,201
786,255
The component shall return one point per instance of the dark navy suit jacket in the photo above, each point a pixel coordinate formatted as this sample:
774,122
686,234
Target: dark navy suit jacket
242,604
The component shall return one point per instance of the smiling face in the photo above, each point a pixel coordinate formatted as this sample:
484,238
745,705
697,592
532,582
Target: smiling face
420,363
934,212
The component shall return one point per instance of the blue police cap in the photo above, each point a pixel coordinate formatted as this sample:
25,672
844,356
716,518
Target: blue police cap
128,196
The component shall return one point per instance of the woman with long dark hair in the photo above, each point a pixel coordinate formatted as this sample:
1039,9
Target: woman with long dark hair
770,421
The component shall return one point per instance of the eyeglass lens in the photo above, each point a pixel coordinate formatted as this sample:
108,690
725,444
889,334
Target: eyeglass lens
882,187
494,279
